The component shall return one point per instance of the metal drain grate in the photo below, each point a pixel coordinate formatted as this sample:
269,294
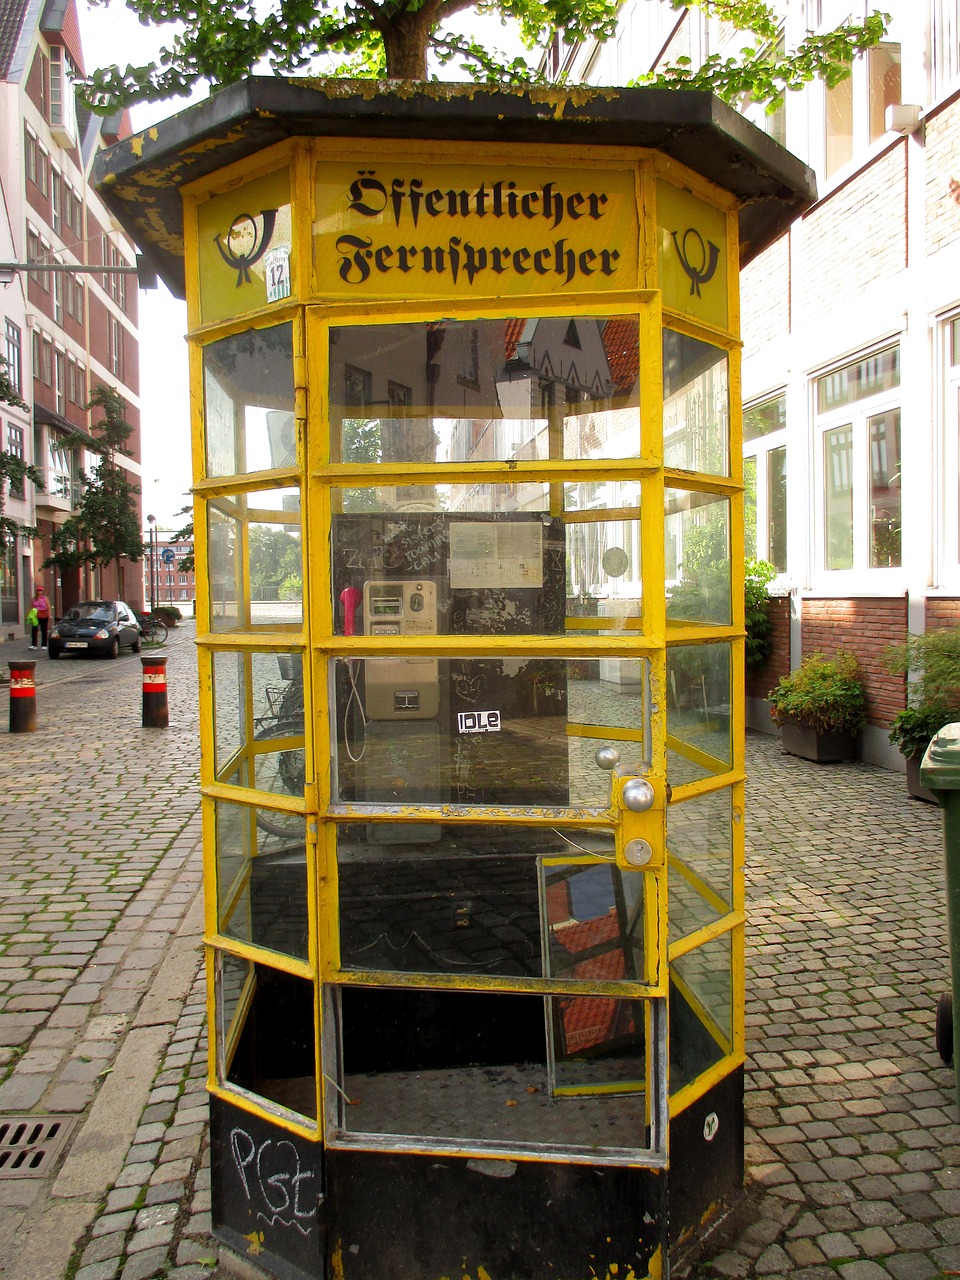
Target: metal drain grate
29,1145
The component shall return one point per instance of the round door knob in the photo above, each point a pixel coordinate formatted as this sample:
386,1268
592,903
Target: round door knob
607,757
638,795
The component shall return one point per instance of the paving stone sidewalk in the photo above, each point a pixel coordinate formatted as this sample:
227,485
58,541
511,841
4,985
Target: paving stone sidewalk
853,1140
99,871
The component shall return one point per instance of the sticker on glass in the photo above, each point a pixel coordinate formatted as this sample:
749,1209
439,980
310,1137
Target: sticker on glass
277,264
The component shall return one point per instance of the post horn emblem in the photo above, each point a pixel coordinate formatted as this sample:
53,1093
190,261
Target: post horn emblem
246,243
708,255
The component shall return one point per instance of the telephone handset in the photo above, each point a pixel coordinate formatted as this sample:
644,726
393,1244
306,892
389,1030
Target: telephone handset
400,688
350,598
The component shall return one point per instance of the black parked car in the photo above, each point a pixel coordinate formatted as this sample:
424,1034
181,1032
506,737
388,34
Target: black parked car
95,626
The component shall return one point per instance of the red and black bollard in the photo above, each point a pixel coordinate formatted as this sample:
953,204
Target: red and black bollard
23,697
156,714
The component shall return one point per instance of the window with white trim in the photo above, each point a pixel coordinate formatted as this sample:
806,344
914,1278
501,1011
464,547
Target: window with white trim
15,449
857,430
60,379
13,351
115,331
765,476
855,109
945,41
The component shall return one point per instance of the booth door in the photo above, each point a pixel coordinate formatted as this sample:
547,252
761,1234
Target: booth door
494,976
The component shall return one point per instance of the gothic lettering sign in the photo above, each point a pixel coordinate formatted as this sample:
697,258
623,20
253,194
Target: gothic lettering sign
422,231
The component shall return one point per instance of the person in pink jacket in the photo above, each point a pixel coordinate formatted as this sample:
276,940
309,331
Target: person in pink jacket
42,606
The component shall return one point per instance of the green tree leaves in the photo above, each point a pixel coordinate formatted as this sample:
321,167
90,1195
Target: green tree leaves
105,529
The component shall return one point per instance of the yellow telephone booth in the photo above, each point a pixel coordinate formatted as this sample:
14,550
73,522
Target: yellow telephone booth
469,506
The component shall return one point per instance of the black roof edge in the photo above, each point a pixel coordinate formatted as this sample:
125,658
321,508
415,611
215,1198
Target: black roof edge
140,177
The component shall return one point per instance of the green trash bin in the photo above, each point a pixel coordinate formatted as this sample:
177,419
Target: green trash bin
940,772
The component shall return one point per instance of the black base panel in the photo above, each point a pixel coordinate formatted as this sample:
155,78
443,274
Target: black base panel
706,1173
426,1217
419,1217
267,1189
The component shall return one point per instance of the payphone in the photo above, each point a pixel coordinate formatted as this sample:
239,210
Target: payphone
450,730
400,688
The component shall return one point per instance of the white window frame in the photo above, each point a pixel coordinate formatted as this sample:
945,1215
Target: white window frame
948,541
759,448
860,577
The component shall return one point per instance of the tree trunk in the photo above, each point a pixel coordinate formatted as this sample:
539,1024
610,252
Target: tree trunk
405,37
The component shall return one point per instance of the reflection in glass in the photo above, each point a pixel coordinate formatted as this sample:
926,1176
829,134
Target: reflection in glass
761,419
261,879
838,497
492,1067
478,570
257,697
696,405
701,1010
490,900
248,402
699,743
700,848
885,481
486,390
697,550
266,1033
777,508
489,731
254,547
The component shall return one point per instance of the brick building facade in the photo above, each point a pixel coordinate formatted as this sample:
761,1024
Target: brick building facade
851,332
67,331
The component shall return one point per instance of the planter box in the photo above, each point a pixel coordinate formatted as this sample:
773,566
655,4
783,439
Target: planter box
821,748
914,787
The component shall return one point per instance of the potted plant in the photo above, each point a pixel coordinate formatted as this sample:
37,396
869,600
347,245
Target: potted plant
934,696
820,708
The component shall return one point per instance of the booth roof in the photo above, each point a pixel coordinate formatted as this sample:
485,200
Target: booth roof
140,178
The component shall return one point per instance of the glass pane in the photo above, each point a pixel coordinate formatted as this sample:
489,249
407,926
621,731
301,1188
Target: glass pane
248,402
696,405
415,1065
469,570
955,341
858,380
253,695
697,552
487,731
699,743
761,419
486,390
885,471
700,847
838,497
883,66
266,1034
701,1010
507,901
777,508
838,103
750,530
261,878
256,560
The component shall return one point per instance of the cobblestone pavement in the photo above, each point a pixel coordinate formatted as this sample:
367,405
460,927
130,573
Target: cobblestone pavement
853,1145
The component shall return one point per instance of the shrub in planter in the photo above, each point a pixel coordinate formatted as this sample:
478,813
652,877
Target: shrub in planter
820,707
934,660
169,613
757,576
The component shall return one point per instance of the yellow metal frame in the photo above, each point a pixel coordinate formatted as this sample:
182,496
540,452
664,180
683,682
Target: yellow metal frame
318,475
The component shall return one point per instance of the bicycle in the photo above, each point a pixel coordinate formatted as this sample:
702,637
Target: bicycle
284,769
153,630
